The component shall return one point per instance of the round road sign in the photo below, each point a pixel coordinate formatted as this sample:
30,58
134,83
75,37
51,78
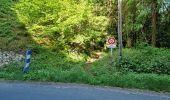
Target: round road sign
111,40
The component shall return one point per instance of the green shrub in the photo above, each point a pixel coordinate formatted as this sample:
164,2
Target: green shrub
147,60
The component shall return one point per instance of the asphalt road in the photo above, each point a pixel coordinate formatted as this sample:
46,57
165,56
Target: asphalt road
46,91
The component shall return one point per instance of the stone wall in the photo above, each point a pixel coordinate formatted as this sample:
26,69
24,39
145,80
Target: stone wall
7,57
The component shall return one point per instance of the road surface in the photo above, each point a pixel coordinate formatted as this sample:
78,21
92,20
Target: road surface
58,91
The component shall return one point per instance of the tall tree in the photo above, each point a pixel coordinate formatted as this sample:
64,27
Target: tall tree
154,21
130,21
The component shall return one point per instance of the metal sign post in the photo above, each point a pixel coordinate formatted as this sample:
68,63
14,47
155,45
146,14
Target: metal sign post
111,44
111,52
120,30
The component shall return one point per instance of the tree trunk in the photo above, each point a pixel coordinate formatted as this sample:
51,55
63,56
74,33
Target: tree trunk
154,22
127,32
134,37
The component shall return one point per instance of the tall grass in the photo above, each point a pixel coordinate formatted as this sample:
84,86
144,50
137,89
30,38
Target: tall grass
58,68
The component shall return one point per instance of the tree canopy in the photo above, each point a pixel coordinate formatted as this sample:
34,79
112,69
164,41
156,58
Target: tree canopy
83,25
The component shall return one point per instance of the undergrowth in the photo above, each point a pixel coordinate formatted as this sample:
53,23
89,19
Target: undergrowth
59,68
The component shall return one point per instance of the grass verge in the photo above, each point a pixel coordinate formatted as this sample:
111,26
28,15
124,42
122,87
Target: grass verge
58,68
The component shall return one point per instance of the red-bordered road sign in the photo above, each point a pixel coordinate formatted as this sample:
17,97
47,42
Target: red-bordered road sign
111,40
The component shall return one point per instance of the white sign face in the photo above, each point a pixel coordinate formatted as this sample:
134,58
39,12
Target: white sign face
111,46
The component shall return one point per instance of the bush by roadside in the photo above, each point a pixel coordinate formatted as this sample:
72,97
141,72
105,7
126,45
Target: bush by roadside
58,68
147,60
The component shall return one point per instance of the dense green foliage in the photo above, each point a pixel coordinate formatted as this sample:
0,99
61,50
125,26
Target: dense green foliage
64,34
147,60
62,24
56,68
13,34
80,24
147,21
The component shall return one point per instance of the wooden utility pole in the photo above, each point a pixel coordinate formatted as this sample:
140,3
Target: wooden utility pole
120,30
